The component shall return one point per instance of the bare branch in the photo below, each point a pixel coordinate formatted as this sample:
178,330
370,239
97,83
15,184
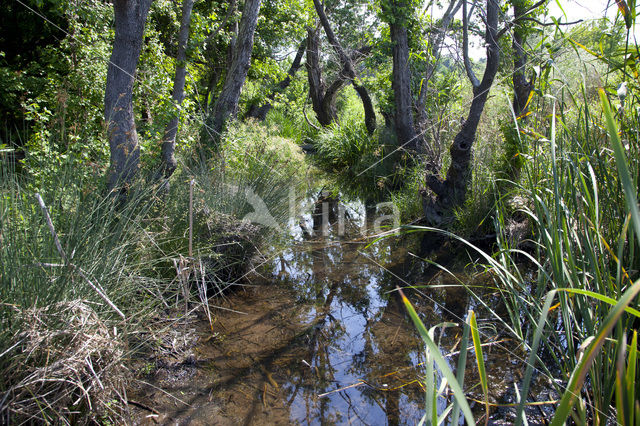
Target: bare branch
549,24
304,112
465,45
75,268
45,212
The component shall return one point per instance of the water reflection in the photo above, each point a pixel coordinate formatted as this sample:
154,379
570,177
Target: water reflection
323,338
363,355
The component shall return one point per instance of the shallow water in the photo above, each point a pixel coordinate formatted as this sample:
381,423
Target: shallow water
320,335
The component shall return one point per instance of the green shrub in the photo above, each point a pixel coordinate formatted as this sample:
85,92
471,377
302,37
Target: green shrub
362,165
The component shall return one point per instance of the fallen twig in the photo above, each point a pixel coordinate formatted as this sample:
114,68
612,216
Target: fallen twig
141,405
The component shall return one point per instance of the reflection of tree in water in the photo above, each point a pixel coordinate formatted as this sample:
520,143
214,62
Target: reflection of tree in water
328,282
390,349
334,277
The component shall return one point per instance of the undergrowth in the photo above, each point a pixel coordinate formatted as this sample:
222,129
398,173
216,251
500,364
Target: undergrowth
71,315
574,310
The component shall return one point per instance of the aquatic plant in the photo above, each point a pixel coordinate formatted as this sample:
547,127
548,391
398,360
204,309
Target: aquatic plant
577,316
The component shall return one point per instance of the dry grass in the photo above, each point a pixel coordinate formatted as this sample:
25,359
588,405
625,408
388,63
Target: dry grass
66,365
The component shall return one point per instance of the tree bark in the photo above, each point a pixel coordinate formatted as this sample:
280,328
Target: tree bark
451,192
226,105
401,79
521,85
169,142
348,69
260,112
130,17
322,100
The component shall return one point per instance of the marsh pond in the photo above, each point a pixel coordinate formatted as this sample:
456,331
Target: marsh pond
317,333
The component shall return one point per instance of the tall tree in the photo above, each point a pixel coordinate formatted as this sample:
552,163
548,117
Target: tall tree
323,96
451,192
399,12
349,69
322,100
226,105
522,23
409,127
130,17
522,86
168,160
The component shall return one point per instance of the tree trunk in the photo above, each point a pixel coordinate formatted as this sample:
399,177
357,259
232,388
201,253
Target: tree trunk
401,80
130,17
348,69
521,86
260,112
169,142
226,106
323,104
215,72
369,112
451,192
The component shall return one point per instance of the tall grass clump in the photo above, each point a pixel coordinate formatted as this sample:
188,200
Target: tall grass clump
361,165
584,213
242,198
65,311
257,170
582,206
578,315
290,125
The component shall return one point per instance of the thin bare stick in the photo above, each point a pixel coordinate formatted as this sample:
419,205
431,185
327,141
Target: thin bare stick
80,272
191,217
230,310
51,228
166,393
341,389
97,290
304,112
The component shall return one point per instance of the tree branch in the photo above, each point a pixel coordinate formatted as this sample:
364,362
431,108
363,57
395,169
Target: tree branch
333,40
348,69
465,45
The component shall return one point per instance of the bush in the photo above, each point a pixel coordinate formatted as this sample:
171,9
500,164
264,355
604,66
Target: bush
53,318
362,165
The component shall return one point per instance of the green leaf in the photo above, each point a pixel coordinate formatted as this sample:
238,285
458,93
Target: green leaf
601,297
580,371
482,372
462,366
440,361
